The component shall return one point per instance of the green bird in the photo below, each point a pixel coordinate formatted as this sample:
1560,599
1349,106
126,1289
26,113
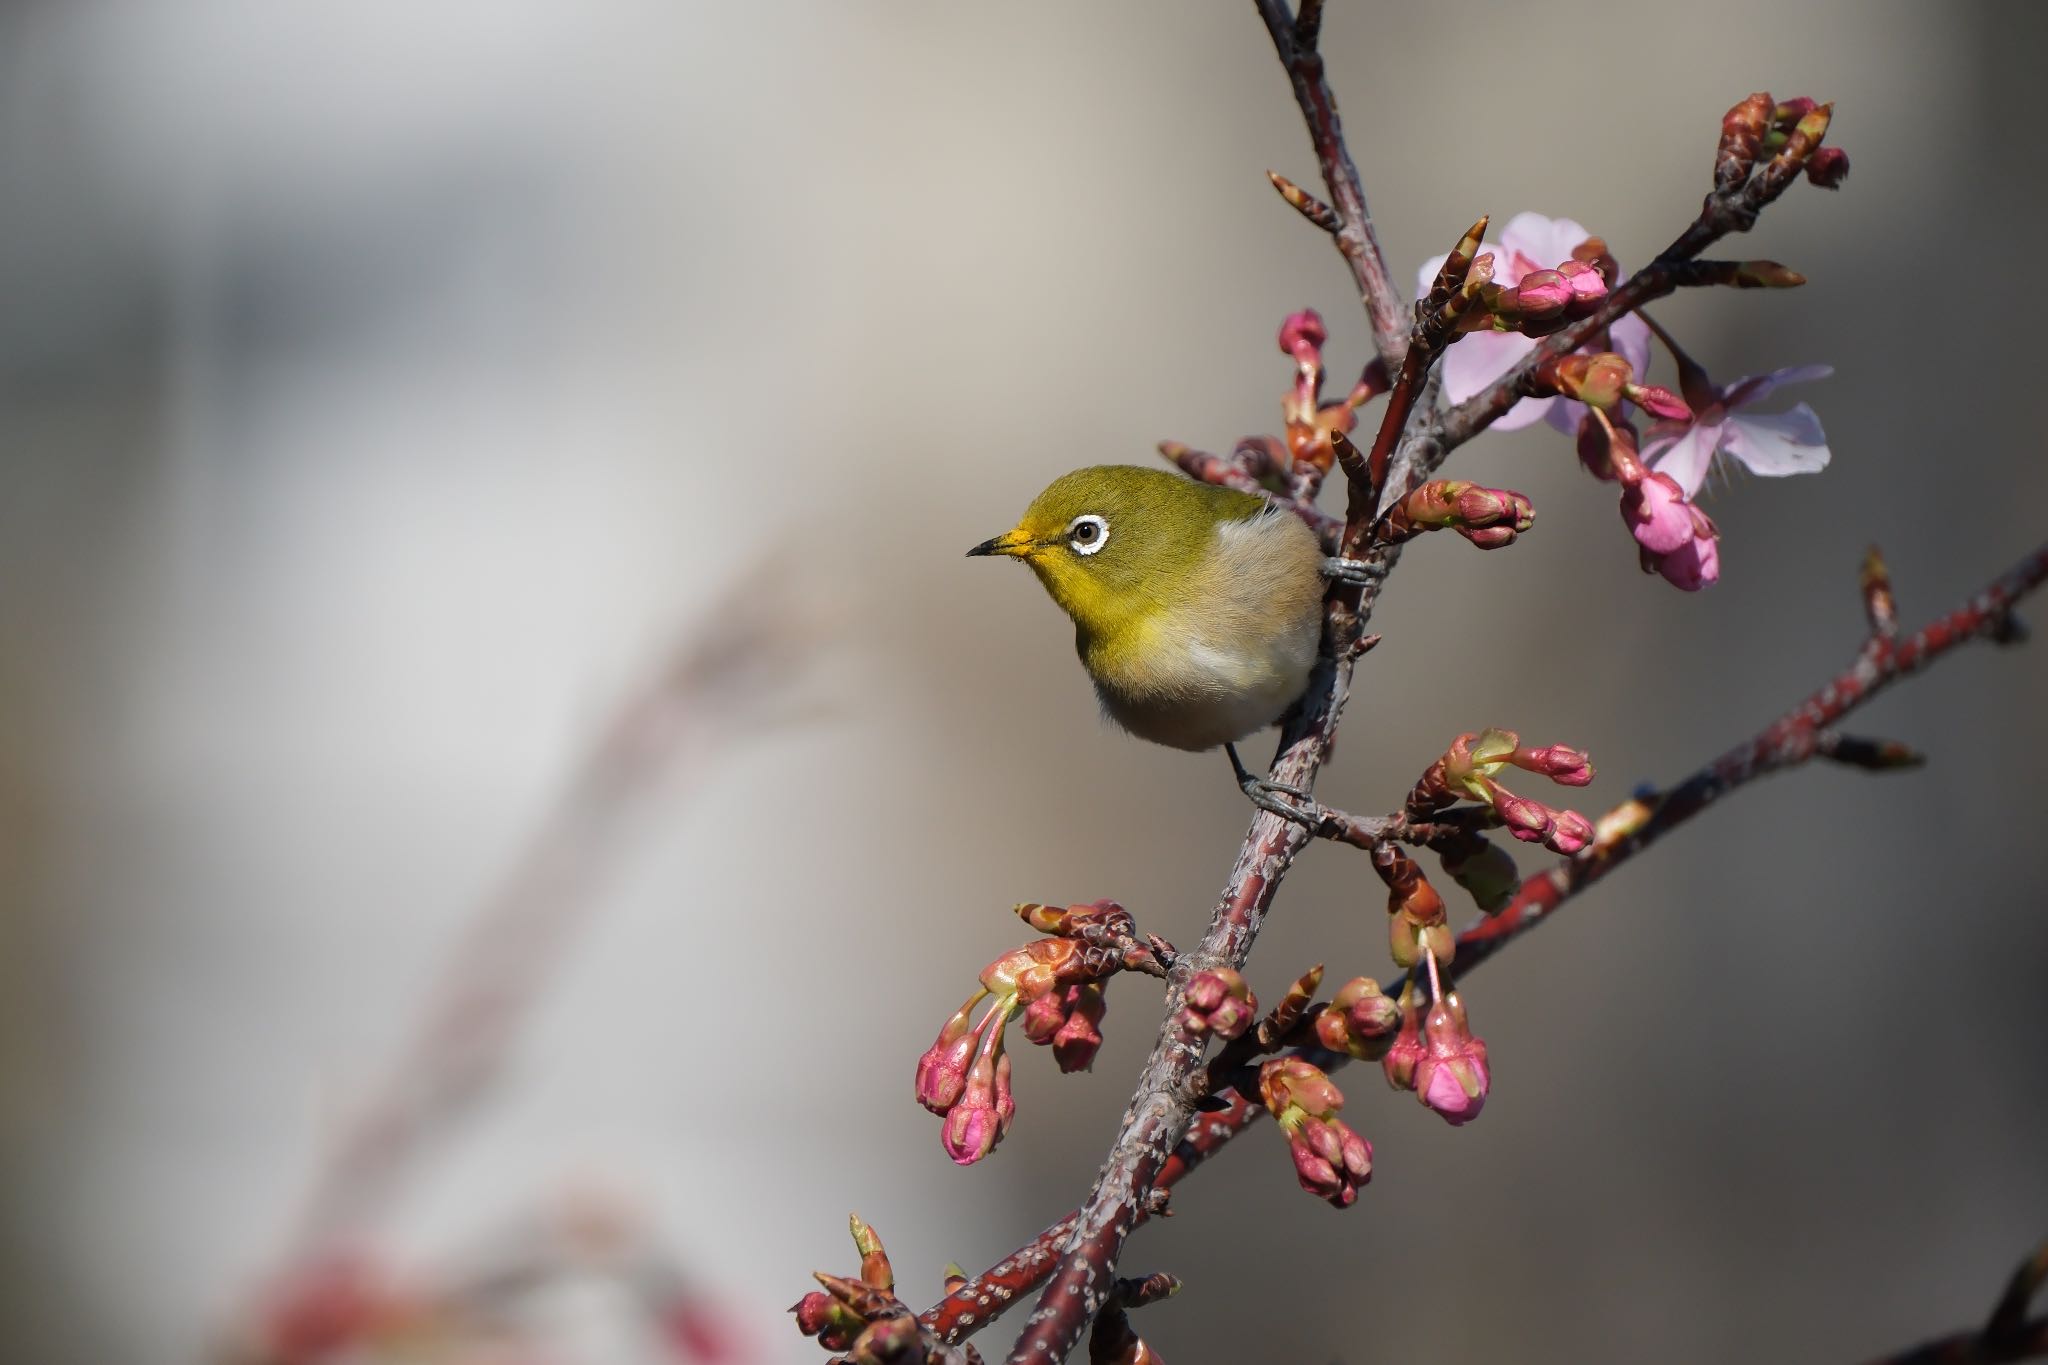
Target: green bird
1197,610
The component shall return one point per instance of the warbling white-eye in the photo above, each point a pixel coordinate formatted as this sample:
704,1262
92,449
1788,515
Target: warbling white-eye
1197,609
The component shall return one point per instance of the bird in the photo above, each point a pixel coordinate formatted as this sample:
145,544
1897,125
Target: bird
1197,609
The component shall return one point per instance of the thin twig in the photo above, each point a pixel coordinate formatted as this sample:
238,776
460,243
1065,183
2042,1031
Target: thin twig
1296,46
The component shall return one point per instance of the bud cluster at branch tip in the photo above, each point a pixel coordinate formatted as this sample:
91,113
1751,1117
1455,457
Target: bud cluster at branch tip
1310,423
1488,517
1330,1160
863,1317
1055,984
1468,768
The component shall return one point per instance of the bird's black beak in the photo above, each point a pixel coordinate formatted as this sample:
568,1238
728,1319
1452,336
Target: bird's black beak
1010,543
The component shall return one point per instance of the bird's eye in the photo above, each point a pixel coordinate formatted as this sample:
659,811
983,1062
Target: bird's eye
1087,534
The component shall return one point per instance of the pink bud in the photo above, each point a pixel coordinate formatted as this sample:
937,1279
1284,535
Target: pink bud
1572,832
1828,168
1043,1017
1657,514
1658,400
1567,767
1078,1039
1330,1160
820,1315
942,1070
1303,331
1690,567
1587,284
982,1115
1529,821
1218,1001
1406,1054
1543,293
1452,1077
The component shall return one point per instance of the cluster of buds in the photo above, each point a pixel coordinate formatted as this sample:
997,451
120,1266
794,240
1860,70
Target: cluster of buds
1417,924
862,1316
1330,1160
1056,984
1312,424
1546,301
1673,536
1602,380
1488,517
1218,1001
1436,1055
1468,770
1789,132
1360,1021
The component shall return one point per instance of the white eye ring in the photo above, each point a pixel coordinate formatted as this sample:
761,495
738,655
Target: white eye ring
1095,537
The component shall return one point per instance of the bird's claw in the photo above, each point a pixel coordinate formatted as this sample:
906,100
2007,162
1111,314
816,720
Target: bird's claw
1363,572
1266,794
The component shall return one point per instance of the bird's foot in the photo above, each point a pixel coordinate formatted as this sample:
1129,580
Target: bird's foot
1363,572
1267,795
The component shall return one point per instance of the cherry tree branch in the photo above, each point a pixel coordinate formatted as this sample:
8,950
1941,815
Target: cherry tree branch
1799,736
1346,219
1732,206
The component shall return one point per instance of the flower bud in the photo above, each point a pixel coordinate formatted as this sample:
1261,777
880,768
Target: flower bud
1075,1044
1330,1160
1360,1021
1658,514
1452,1076
820,1315
1742,137
942,1070
1405,1054
1218,1001
1564,766
1303,331
1828,167
1588,286
1542,294
1043,1017
1598,380
892,1341
1658,401
1769,274
977,1122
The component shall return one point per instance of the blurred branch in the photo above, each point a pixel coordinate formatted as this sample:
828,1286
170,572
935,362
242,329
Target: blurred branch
1791,740
2007,1336
727,676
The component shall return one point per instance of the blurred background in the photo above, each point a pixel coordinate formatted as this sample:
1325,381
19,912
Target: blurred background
386,389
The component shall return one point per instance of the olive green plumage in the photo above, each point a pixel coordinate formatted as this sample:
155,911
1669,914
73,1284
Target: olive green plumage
1196,609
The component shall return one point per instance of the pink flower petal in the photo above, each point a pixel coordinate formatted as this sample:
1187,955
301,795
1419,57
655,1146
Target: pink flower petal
1777,444
1540,243
1478,358
1630,337
1685,458
1750,390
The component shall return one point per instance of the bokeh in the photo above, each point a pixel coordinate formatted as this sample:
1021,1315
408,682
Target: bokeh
385,388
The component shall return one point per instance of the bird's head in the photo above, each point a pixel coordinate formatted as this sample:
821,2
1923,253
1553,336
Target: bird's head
1113,542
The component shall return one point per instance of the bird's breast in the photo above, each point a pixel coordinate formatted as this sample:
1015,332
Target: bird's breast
1227,655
